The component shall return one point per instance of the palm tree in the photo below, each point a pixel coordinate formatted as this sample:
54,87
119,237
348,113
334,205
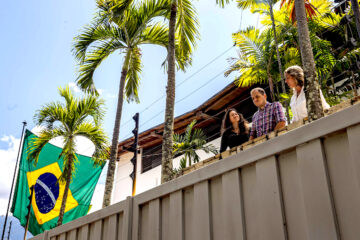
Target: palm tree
256,49
247,4
253,4
309,7
183,26
313,102
312,87
77,117
189,142
124,29
324,52
355,8
254,61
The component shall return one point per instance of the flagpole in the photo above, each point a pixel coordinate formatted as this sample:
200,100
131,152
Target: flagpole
9,231
12,185
29,208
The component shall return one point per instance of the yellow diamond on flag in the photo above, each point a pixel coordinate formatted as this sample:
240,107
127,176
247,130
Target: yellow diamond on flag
48,193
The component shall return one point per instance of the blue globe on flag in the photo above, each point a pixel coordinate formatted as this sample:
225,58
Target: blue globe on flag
46,192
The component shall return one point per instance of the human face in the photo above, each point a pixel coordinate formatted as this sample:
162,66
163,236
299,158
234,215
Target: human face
290,80
234,117
259,100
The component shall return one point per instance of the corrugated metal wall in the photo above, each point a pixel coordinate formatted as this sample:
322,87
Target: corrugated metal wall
304,184
109,223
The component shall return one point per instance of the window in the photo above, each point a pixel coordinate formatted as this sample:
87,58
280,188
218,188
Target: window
151,158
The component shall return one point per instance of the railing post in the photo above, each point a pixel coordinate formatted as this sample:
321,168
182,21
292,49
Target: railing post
128,218
46,236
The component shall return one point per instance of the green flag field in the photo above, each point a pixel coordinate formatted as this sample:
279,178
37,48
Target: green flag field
48,191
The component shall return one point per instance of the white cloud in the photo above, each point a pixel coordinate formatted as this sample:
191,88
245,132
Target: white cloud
105,94
74,87
101,91
111,96
8,160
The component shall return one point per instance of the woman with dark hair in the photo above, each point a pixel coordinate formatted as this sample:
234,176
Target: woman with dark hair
294,77
234,130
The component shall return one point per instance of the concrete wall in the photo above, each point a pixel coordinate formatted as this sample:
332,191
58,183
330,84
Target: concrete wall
304,184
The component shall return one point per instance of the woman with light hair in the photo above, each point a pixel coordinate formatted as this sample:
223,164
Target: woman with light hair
294,77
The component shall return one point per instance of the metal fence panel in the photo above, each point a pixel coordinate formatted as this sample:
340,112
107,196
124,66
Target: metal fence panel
304,184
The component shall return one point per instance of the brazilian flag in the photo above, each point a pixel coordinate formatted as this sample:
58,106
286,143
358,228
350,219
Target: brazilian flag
48,192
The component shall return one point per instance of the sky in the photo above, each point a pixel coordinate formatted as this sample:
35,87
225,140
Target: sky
36,59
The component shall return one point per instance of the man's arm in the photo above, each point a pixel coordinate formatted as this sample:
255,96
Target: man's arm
279,116
280,125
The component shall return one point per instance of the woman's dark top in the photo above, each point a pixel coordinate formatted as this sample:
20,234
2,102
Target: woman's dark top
231,139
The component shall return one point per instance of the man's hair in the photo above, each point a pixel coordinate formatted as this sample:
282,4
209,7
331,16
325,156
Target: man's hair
259,89
297,73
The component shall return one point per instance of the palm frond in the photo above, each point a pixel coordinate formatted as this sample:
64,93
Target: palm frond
90,106
69,159
67,95
198,137
248,4
210,149
233,68
222,3
187,25
183,163
248,43
49,114
189,130
177,138
155,34
93,33
132,77
310,9
114,9
97,136
37,144
139,17
92,61
254,53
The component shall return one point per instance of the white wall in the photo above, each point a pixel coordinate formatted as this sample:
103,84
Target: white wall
123,183
146,180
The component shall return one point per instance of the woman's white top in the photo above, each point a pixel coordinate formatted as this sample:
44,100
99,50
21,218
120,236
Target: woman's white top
298,105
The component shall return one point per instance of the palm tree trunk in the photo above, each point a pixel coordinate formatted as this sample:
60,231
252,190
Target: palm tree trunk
277,49
271,82
271,86
66,191
166,163
189,160
354,84
114,144
279,60
355,8
312,93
